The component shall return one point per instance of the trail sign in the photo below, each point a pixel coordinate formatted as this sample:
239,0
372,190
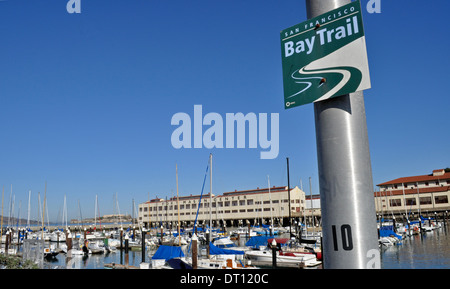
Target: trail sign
325,57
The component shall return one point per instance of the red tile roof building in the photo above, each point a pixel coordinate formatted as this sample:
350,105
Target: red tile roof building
401,195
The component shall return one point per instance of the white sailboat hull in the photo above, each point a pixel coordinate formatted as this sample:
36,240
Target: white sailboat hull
264,257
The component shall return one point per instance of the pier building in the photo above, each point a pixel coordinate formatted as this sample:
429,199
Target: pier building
230,208
424,195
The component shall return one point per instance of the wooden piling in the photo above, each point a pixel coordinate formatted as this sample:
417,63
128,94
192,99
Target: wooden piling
143,232
274,253
194,251
121,239
69,241
126,243
6,242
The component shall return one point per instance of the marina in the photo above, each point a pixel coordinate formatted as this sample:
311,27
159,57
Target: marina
139,104
423,249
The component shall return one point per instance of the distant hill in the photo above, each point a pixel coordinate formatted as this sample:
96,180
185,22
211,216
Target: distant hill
14,221
104,219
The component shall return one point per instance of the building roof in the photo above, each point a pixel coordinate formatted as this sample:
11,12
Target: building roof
436,175
257,191
180,198
314,197
398,192
273,189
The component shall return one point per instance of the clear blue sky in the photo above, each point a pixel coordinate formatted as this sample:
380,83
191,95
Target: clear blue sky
86,99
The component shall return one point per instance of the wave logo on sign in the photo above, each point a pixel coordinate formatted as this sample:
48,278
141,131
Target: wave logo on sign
324,81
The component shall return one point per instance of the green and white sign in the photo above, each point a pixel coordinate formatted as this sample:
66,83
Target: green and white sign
325,57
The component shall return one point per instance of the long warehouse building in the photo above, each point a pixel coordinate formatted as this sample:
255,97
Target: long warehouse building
231,208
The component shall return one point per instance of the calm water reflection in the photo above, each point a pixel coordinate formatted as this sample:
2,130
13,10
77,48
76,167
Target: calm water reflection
428,251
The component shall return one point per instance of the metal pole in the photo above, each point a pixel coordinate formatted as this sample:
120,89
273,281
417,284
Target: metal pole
345,174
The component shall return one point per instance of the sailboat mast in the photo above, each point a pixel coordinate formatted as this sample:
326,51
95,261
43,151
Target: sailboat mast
289,198
270,199
95,212
312,210
418,196
43,210
178,206
1,226
99,216
64,218
404,201
210,196
18,215
10,207
29,208
118,211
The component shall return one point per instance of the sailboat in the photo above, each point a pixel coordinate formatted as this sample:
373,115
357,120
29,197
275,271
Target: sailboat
58,235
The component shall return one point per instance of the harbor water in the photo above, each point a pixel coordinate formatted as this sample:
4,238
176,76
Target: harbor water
430,250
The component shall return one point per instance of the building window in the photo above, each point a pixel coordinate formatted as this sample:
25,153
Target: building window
249,202
395,202
411,201
425,200
242,203
441,199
